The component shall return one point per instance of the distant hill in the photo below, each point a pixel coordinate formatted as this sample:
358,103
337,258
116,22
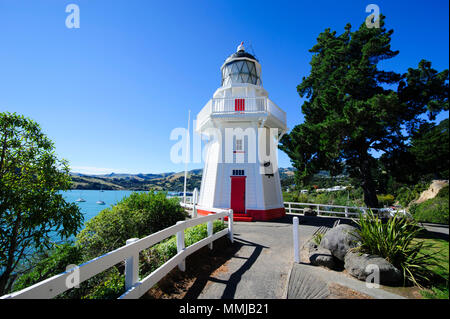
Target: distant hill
138,182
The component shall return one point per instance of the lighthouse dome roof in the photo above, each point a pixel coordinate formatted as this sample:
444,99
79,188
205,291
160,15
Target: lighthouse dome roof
240,53
241,67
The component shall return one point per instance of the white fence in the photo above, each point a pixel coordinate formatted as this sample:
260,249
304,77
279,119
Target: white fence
321,209
129,253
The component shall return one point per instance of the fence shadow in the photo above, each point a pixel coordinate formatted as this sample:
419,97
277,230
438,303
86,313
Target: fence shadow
317,221
218,258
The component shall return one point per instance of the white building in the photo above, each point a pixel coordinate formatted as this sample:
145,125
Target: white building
243,126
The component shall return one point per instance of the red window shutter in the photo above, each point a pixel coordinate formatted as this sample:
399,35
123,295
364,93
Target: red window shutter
239,105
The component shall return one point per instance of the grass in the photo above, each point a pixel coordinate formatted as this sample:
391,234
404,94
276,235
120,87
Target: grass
439,288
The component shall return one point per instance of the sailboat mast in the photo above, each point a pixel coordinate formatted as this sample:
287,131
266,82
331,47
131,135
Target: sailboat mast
186,157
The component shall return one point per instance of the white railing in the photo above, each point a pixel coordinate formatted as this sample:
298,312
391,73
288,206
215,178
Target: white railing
228,105
204,114
293,207
273,109
129,253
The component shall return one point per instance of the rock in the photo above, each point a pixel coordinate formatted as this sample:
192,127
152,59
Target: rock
322,257
309,212
311,246
356,265
339,240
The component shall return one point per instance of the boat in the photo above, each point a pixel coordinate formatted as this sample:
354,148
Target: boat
100,202
80,199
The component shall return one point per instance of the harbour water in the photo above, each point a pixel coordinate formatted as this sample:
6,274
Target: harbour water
90,208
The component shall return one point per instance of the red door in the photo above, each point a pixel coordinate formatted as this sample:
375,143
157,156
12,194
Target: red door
237,203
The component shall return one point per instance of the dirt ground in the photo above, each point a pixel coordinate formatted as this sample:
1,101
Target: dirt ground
199,267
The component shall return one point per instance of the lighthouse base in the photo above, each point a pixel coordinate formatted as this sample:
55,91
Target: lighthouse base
253,214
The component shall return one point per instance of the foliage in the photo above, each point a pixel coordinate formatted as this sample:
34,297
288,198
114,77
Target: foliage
136,216
351,109
52,262
162,252
406,194
112,286
426,156
395,240
386,199
434,210
317,238
350,197
31,205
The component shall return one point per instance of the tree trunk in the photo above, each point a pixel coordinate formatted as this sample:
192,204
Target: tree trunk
368,185
370,194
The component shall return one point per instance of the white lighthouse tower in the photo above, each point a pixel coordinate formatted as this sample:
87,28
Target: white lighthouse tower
243,126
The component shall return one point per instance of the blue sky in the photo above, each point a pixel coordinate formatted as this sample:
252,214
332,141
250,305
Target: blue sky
109,93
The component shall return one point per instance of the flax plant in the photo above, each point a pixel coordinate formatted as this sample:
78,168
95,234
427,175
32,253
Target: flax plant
396,241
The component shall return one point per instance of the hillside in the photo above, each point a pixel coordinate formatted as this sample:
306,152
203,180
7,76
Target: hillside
165,181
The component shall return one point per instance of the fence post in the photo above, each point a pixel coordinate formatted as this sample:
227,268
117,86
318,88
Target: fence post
209,227
318,210
296,244
346,211
131,267
289,204
194,203
230,225
180,247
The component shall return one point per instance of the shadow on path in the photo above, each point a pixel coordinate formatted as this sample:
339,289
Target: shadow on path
225,254
327,221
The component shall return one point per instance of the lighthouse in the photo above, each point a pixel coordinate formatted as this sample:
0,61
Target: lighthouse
243,127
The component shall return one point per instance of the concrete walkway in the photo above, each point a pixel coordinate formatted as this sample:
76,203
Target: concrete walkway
259,268
262,267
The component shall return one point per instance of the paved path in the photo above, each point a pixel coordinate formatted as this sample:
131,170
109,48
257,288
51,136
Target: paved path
437,230
263,259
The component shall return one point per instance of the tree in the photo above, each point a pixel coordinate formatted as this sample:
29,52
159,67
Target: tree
425,157
352,110
430,147
32,209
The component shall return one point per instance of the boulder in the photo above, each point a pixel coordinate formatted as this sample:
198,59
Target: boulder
357,265
339,240
322,257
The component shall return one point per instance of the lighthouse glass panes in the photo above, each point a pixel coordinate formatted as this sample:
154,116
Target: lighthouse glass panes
240,71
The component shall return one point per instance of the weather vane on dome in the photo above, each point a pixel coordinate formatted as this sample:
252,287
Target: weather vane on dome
241,46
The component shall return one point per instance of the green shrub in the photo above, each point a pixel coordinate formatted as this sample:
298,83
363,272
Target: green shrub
136,216
160,253
51,263
387,199
407,194
112,286
443,193
395,240
434,210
